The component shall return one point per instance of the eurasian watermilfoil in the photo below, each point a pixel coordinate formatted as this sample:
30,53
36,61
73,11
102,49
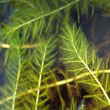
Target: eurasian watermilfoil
40,34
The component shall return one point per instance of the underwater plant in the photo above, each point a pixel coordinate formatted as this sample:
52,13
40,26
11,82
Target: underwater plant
46,59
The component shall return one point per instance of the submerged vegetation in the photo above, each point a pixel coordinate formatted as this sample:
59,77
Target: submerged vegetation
47,59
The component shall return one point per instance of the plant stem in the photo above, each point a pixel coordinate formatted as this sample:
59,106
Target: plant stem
59,83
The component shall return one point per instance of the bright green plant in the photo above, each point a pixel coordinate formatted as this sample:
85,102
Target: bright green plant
38,32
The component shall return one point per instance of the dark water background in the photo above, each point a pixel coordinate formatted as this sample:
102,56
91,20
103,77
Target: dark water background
96,29
5,11
4,14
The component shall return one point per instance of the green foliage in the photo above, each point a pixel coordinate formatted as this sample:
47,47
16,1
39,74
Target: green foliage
37,34
80,58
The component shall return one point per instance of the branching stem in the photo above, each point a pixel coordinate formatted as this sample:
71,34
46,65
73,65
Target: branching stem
17,81
59,83
22,47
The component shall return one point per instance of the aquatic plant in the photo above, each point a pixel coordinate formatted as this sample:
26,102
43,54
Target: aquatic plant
48,61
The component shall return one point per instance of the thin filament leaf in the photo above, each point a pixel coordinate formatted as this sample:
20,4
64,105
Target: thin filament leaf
77,47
